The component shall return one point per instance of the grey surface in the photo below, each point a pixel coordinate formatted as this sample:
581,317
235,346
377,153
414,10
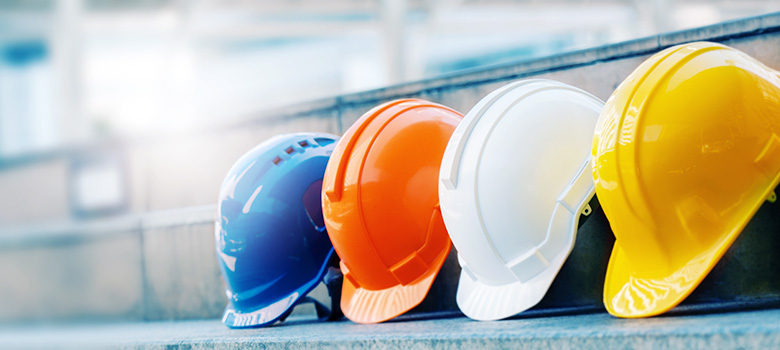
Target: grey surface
739,330
93,278
182,276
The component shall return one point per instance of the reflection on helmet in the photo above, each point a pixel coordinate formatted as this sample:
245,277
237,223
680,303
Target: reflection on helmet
514,179
271,241
685,152
380,204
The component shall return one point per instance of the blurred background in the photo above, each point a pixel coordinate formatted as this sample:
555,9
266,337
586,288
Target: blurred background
119,118
75,70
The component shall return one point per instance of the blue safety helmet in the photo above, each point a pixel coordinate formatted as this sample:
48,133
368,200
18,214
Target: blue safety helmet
272,245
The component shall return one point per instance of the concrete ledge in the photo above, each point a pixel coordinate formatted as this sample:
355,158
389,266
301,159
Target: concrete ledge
152,266
67,232
162,266
738,330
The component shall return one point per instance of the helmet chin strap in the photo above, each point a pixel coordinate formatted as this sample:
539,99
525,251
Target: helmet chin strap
333,280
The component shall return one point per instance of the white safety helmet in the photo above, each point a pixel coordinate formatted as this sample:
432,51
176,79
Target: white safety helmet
513,182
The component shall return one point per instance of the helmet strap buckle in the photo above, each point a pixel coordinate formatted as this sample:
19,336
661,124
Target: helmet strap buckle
587,212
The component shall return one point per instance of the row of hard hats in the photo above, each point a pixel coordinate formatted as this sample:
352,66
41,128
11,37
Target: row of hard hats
684,153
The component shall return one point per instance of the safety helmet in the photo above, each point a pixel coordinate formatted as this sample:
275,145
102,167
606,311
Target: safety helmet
685,152
514,180
270,236
381,207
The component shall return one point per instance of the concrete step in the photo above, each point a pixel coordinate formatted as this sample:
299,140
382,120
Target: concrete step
152,266
737,330
163,266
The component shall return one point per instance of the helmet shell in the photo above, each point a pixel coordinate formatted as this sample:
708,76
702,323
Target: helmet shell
514,179
270,236
686,151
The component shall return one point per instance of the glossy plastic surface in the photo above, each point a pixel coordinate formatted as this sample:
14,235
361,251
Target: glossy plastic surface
514,179
686,151
381,207
270,236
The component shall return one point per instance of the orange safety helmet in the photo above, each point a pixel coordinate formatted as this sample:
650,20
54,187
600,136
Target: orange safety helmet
380,202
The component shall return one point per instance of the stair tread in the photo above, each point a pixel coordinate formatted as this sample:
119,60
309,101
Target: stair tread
746,329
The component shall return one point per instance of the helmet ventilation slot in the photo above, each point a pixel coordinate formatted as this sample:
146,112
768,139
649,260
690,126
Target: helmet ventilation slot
322,141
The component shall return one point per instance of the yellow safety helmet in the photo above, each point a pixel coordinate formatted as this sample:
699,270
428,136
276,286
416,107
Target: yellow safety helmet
685,152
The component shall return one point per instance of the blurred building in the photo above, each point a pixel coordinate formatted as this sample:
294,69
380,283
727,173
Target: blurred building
76,71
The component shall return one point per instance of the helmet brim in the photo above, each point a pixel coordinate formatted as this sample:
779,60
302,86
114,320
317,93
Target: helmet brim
486,302
630,294
233,318
367,306
272,313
